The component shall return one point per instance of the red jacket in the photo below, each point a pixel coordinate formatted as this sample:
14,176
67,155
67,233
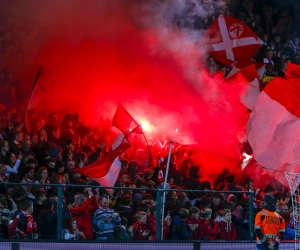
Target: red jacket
227,230
151,223
138,229
210,232
13,230
83,215
198,232
165,232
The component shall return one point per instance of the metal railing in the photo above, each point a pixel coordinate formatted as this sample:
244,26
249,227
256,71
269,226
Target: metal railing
159,202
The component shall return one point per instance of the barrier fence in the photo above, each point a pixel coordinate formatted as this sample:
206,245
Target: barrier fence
159,204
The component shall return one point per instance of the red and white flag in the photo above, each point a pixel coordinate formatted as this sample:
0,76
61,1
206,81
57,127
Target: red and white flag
231,42
251,87
106,170
260,69
125,122
274,124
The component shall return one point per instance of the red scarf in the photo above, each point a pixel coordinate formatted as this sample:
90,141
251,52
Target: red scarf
44,188
28,181
31,225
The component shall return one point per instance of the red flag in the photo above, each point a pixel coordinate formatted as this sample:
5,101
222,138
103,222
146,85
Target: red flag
249,78
274,124
231,42
124,121
41,88
106,170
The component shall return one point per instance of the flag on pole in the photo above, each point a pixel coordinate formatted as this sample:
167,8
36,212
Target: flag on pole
106,170
249,78
125,122
230,41
40,89
274,124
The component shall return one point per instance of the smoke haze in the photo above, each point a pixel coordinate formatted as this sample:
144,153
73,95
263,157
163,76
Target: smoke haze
95,54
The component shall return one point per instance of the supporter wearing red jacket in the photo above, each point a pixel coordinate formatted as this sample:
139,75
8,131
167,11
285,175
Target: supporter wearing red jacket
140,229
194,221
227,229
82,210
209,232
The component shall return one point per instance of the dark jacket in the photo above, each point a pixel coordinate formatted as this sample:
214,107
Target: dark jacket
180,230
120,233
47,223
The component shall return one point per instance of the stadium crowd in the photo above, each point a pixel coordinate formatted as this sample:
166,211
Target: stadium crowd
45,150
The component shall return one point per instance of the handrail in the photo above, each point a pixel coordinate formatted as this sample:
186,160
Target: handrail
158,201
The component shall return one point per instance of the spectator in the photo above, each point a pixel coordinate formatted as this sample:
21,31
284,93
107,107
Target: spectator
47,221
193,219
180,230
27,223
125,209
81,209
104,220
28,176
40,196
41,177
209,232
122,232
15,144
227,229
72,232
4,148
140,229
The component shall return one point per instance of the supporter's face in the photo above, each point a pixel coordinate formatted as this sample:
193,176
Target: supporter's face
56,133
19,137
44,174
30,210
71,165
34,139
30,174
74,224
269,54
265,37
61,170
143,219
51,164
78,200
2,169
27,145
72,146
13,158
216,201
5,147
284,211
196,215
227,217
277,39
105,203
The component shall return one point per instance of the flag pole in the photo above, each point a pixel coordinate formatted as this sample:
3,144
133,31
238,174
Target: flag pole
165,184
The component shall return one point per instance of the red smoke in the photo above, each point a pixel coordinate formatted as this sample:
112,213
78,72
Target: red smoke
95,54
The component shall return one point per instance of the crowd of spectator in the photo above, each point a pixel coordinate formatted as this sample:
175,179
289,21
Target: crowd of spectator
47,151
44,150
